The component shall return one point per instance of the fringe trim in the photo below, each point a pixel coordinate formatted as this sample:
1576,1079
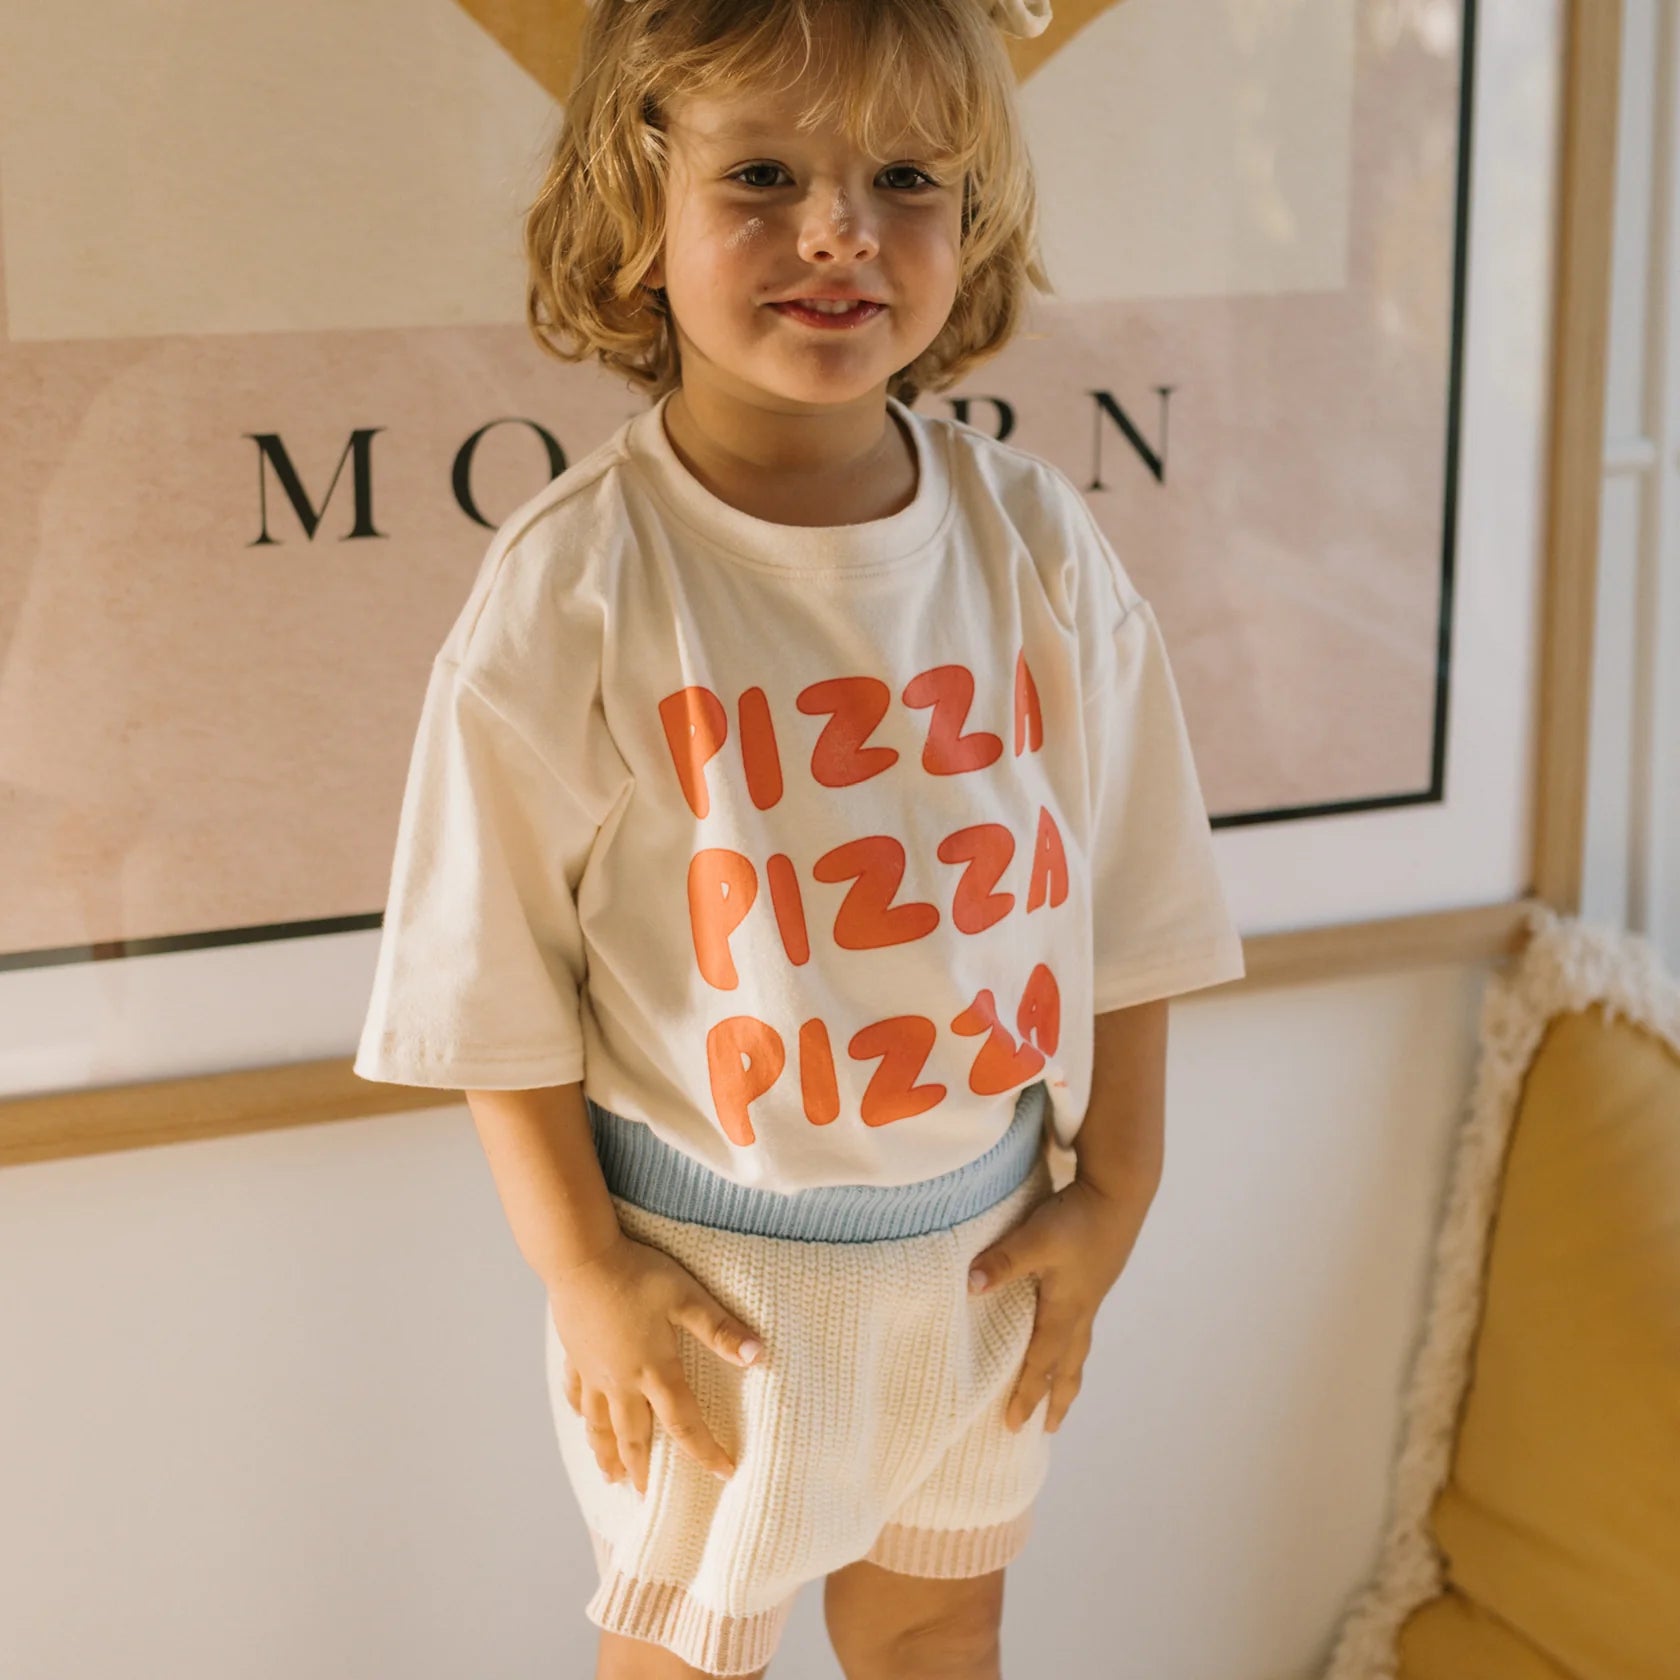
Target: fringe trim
1565,966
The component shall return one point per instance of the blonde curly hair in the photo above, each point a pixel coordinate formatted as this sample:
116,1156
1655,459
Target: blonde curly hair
598,220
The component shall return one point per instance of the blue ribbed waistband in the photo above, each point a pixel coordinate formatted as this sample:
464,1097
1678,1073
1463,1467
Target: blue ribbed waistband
642,1169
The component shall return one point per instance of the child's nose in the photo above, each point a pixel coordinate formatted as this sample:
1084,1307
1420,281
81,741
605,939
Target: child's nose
846,230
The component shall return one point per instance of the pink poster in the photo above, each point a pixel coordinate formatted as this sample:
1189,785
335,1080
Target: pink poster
266,389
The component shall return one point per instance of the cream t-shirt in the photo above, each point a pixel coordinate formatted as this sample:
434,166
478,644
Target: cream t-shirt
808,847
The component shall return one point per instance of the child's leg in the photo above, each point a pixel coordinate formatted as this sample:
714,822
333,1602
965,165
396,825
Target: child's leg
623,1658
886,1626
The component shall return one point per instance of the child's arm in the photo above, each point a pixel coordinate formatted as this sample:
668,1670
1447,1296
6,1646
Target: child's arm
1078,1241
542,1156
1121,1141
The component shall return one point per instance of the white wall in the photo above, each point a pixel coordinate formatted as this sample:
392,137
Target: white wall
275,1405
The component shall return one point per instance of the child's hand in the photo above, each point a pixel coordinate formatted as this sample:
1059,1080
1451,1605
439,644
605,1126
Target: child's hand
618,1316
1076,1244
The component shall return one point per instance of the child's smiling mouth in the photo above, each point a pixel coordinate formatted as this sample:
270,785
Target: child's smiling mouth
854,315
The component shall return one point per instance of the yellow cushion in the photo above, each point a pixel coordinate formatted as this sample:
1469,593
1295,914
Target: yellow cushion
1559,1520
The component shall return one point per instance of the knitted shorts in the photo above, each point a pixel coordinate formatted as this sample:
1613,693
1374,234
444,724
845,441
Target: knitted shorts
871,1426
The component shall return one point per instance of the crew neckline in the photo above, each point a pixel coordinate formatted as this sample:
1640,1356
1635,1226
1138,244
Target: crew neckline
898,538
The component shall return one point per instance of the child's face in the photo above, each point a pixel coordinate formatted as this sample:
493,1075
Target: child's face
759,211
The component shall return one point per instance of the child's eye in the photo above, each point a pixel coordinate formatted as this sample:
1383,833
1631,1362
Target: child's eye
748,169
914,171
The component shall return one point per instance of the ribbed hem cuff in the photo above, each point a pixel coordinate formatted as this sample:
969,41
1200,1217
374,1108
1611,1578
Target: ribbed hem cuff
952,1553
666,1613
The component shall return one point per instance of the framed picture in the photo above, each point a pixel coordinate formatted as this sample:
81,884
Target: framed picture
1325,354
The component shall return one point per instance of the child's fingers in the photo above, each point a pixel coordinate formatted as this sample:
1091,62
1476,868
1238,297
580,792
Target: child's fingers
572,1387
603,1436
1055,1358
680,1412
1069,1373
721,1331
1036,1368
633,1423
1054,1343
1064,1385
1032,1388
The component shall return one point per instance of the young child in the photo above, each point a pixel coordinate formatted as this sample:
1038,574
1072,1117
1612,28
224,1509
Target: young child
800,845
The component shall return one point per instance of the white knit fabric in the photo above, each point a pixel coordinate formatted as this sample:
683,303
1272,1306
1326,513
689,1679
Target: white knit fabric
870,1427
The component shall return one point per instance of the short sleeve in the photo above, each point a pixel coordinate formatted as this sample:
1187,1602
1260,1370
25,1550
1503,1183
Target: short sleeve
481,962
1160,921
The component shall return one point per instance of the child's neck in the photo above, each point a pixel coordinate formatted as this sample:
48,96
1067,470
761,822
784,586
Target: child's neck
876,485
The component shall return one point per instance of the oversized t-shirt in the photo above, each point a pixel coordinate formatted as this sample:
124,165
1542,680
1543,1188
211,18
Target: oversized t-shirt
806,846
